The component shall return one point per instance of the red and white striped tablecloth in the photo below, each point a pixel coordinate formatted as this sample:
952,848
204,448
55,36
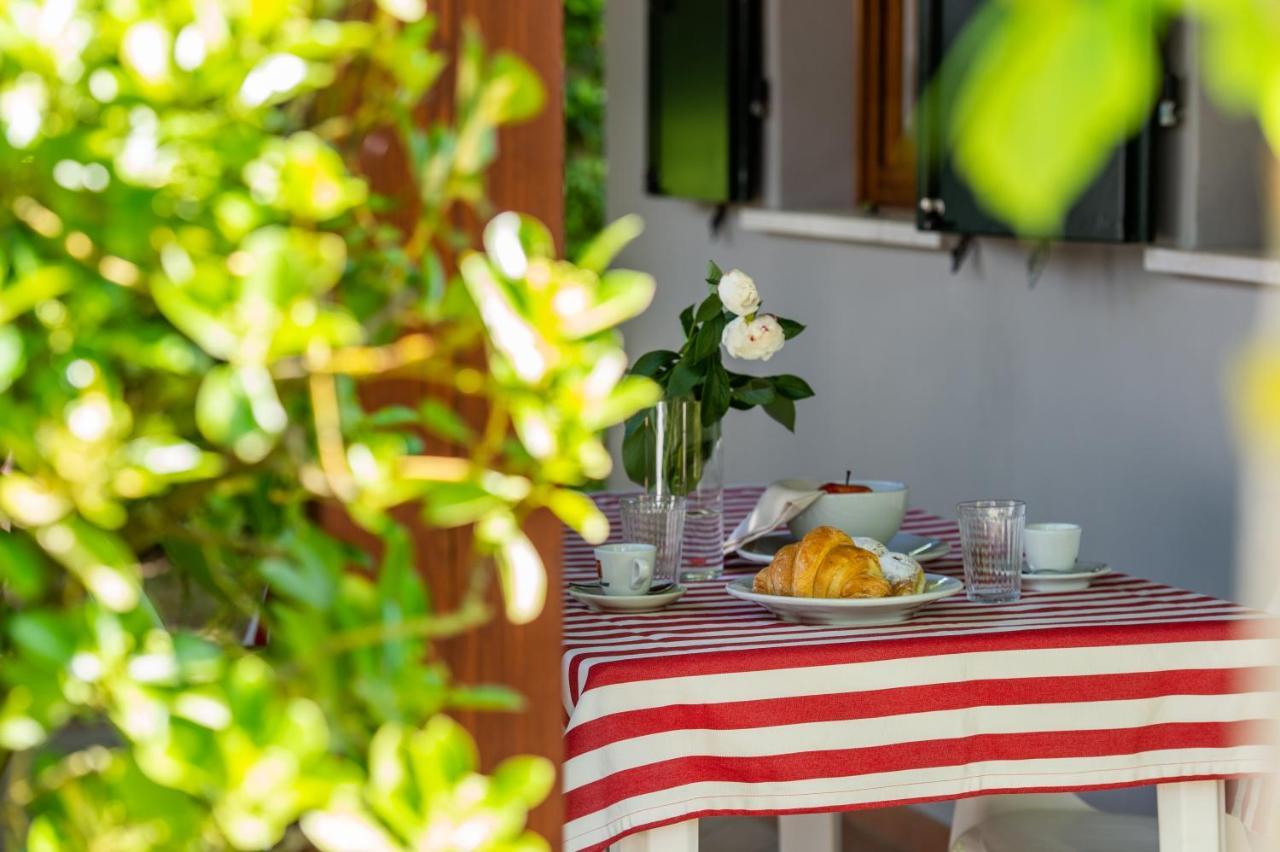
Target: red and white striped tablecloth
712,706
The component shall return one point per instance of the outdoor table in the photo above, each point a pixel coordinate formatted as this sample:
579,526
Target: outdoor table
712,706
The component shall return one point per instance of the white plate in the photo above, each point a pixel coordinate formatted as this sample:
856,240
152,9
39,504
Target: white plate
848,611
628,603
762,549
1064,581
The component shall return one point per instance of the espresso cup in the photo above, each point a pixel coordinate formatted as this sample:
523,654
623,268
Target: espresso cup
625,569
1052,547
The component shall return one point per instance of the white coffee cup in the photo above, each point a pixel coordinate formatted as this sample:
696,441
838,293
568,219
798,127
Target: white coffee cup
1052,547
625,569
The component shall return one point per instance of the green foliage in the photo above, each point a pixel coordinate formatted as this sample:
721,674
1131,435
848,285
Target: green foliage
1048,89
698,370
584,96
196,278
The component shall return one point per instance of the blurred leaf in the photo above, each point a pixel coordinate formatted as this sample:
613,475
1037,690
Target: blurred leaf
631,394
621,295
601,251
579,512
12,360
524,581
32,288
44,635
22,566
488,697
238,408
100,560
1096,63
528,779
514,91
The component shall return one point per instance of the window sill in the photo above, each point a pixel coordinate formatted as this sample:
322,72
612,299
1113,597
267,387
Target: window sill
1220,266
842,227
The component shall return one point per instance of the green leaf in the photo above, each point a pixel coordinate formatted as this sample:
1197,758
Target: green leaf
489,697
790,328
755,392
653,363
514,91
713,273
524,778
238,408
444,422
707,341
392,416
579,512
784,411
12,361
45,635
453,504
792,387
604,247
686,320
620,295
42,283
709,308
631,394
22,565
716,394
684,378
637,453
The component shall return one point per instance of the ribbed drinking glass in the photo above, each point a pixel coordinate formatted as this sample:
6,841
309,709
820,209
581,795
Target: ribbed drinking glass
991,533
657,520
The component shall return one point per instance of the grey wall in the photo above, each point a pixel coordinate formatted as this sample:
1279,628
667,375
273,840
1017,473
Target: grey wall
1096,396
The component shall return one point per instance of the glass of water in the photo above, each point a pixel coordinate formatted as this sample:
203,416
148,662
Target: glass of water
656,520
683,459
991,533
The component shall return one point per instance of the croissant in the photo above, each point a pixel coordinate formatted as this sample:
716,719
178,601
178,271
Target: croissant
824,564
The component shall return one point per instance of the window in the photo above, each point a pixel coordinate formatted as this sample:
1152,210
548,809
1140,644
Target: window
885,45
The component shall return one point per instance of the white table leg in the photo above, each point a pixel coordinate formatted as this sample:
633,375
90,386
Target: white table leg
676,837
1192,816
809,833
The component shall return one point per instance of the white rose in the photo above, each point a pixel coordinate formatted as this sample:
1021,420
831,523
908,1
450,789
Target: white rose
757,340
738,293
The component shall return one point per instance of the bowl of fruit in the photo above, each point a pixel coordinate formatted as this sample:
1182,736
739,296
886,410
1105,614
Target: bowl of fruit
858,507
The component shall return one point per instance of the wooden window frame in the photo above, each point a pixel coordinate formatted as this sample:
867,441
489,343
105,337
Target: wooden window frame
885,171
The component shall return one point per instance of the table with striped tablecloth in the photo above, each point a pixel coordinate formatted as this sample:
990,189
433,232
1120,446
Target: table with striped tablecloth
712,706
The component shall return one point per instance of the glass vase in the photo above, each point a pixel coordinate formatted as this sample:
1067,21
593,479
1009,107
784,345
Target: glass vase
685,458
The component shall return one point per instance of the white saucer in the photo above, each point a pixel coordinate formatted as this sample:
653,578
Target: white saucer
1064,581
854,612
762,549
628,603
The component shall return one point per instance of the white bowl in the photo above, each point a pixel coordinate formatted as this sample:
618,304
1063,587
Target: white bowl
875,514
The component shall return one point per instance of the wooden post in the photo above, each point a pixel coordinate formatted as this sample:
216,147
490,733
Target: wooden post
528,176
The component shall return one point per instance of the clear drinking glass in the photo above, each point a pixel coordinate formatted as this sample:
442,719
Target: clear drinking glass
660,521
684,459
991,533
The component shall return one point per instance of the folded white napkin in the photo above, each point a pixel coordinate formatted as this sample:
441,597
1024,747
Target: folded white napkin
777,505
